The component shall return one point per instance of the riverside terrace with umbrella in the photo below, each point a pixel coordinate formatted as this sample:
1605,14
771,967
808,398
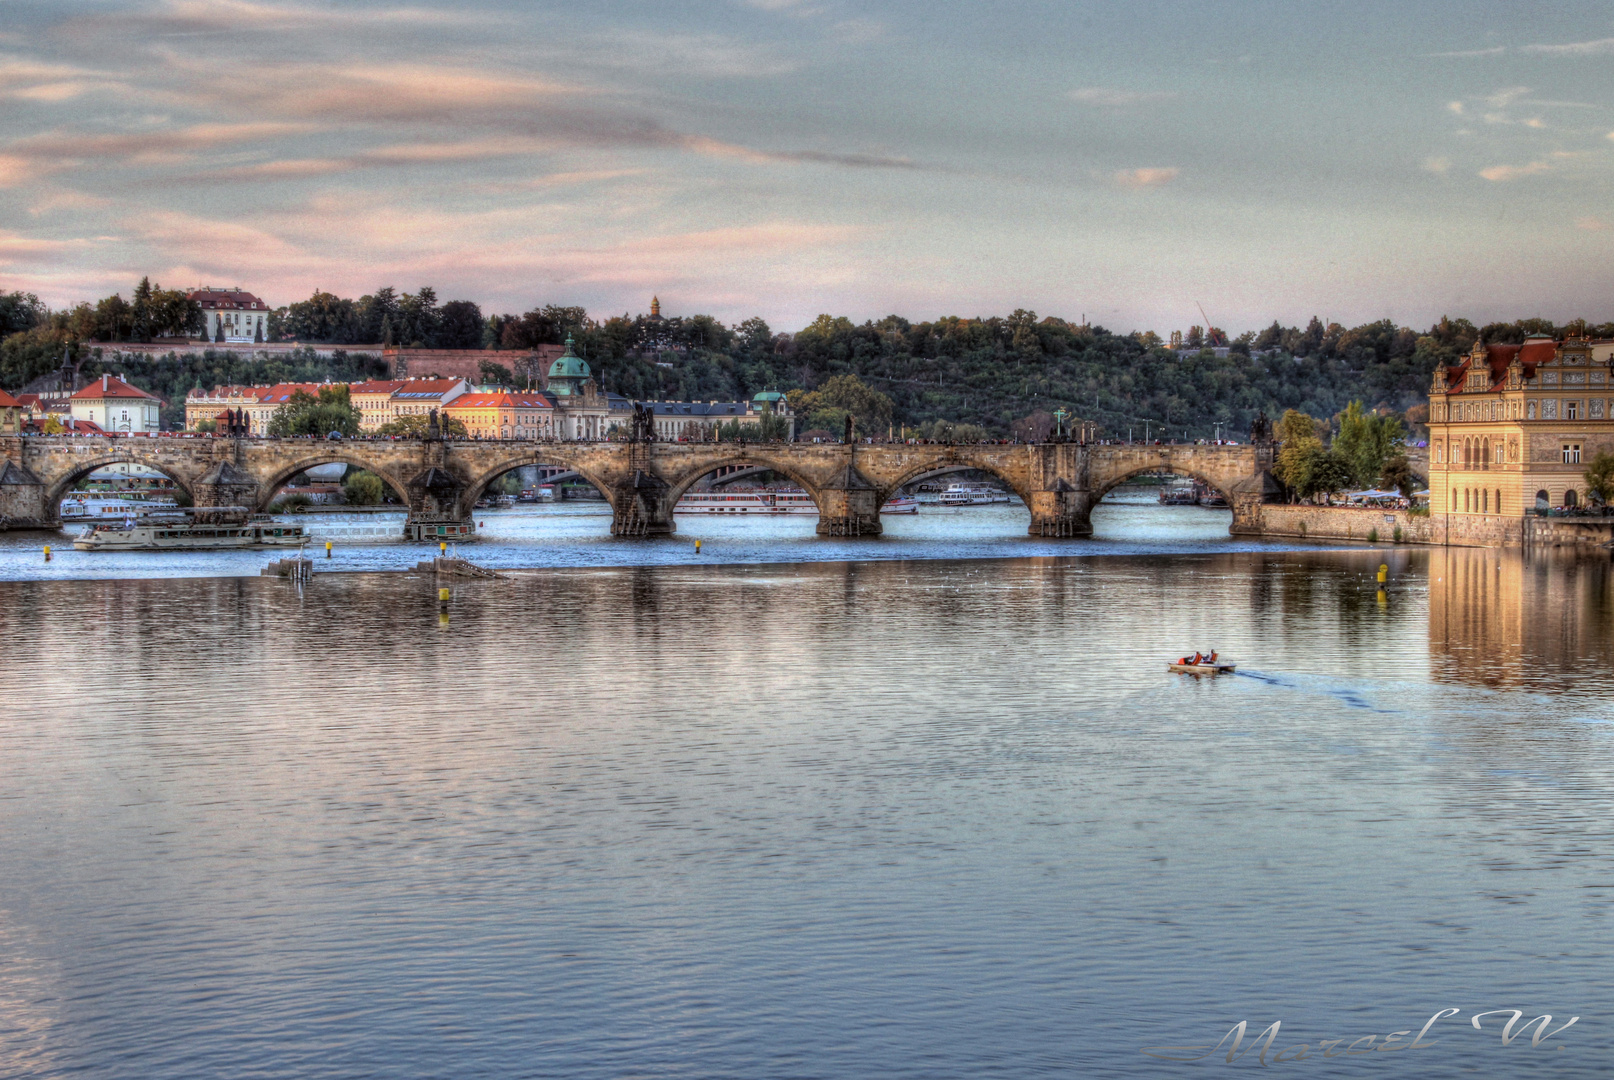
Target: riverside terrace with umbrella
1376,497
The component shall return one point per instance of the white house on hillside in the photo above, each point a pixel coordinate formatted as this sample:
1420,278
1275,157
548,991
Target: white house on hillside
245,318
114,405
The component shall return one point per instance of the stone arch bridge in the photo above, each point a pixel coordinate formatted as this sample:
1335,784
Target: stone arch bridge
442,480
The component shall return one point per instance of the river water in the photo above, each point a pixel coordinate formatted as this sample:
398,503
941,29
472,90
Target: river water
918,813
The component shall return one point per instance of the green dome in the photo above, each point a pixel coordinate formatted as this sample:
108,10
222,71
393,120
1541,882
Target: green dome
768,397
569,365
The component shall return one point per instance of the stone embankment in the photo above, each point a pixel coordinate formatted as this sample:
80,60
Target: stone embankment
1362,525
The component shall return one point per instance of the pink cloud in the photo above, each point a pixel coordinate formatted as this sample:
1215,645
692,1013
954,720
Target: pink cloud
1144,178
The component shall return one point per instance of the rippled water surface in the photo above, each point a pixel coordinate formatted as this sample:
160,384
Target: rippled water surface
894,817
579,534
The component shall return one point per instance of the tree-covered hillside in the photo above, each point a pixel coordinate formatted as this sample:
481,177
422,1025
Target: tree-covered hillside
990,372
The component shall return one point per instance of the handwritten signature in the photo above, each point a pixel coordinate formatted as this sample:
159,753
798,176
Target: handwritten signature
1367,1044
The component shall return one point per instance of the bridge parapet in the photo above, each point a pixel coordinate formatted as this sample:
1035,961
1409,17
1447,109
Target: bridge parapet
441,481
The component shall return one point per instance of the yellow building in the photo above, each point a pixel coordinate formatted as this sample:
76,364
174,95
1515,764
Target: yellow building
504,414
1511,430
373,399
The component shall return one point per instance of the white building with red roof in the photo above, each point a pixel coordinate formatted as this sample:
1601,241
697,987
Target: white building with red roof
242,316
114,405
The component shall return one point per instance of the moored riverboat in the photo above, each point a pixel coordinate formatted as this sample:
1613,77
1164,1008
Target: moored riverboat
209,529
965,495
769,502
104,506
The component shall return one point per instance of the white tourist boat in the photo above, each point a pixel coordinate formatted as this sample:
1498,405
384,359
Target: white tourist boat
350,526
104,506
204,530
783,501
964,495
746,502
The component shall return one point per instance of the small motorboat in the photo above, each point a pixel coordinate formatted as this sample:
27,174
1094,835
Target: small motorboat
1204,667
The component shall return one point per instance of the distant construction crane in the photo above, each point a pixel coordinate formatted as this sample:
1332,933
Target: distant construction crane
1213,334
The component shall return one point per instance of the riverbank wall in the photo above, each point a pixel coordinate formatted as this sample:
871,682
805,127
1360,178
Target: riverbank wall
1362,525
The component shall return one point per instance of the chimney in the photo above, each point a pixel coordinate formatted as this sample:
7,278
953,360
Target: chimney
104,380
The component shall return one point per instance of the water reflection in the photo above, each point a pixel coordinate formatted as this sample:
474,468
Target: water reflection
1538,619
909,818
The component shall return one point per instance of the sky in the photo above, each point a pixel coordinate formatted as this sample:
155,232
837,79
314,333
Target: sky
1127,163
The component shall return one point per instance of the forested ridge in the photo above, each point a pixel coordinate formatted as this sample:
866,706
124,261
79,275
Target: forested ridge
991,372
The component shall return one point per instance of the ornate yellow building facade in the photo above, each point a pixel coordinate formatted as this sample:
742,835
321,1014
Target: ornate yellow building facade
1511,429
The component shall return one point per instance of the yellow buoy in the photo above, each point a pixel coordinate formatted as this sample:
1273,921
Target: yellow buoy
47,553
442,547
442,596
697,547
1384,573
327,549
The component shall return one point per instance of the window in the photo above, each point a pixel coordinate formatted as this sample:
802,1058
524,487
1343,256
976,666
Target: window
1501,453
1570,498
1530,410
1571,453
1571,410
1543,500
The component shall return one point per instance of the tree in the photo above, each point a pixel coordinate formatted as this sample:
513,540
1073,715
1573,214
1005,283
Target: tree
306,414
1299,452
460,326
20,311
496,374
1600,478
416,427
1329,472
1398,475
1365,441
141,313
1035,428
840,396
361,488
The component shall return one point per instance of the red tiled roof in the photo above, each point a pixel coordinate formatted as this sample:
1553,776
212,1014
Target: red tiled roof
501,399
9,402
110,386
377,386
1533,352
228,298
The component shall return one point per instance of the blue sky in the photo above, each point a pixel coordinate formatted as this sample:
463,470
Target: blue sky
790,157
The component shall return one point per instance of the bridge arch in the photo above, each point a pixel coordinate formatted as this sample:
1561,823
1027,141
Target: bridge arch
64,483
335,456
958,467
479,484
758,458
925,470
1112,482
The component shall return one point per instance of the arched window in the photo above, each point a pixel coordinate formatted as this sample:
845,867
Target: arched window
1498,500
1485,501
1467,500
1570,498
1543,500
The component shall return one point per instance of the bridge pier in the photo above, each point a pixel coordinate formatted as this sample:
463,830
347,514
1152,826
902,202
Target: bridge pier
1064,512
642,506
849,505
226,485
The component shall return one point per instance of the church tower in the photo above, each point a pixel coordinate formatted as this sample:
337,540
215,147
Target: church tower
655,308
